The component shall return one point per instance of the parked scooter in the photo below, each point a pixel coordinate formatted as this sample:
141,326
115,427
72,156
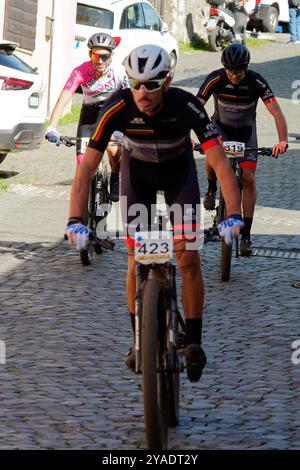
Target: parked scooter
226,24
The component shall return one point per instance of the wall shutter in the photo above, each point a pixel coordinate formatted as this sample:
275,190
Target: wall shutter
20,22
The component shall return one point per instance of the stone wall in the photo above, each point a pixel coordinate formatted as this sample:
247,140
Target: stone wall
185,18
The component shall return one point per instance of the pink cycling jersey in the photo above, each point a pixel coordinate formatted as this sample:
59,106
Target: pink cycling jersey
96,89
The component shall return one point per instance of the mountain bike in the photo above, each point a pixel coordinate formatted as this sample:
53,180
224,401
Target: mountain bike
99,204
234,151
160,333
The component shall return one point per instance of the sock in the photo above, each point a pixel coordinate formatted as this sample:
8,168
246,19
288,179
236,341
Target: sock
212,186
193,331
247,229
132,319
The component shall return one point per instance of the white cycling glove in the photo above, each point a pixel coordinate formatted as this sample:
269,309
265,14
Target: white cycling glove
81,235
230,228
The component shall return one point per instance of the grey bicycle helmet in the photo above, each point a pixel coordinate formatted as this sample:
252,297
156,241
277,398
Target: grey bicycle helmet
235,55
148,62
101,40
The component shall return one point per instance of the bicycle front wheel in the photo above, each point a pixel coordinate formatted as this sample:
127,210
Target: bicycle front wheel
155,377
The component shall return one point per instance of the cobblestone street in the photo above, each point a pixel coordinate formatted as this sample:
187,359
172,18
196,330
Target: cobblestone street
66,328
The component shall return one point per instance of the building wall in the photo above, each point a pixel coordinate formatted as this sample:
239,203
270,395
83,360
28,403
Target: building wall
185,18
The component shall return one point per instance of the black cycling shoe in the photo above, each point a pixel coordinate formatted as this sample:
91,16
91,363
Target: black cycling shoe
130,359
245,247
195,361
209,200
114,187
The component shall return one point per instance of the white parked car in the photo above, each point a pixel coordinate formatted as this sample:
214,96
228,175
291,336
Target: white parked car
266,14
22,116
131,23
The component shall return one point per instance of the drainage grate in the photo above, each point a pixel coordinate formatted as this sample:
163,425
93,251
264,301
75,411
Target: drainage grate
269,252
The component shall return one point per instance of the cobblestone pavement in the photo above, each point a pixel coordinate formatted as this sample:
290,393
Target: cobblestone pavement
66,330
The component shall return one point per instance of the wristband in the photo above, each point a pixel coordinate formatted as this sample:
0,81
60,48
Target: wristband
235,216
74,220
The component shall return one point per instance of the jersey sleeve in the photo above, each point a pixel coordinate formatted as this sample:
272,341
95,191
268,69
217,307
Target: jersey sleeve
109,120
74,81
209,85
264,90
198,120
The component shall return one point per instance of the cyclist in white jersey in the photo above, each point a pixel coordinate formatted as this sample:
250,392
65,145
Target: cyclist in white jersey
98,80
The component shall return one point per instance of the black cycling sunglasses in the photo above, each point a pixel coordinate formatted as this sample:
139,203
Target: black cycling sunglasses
236,71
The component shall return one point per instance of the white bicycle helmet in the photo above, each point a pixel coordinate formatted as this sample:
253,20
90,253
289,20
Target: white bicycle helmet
148,62
101,40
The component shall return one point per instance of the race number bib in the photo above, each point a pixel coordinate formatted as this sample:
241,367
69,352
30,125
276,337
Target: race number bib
234,149
153,247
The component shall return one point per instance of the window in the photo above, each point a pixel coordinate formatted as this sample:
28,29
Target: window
7,59
96,17
152,20
20,22
132,17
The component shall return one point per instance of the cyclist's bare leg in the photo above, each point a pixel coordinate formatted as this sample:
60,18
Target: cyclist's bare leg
192,282
249,200
114,153
210,196
130,281
249,192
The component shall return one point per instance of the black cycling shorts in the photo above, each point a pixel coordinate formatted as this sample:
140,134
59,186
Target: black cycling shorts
140,182
248,136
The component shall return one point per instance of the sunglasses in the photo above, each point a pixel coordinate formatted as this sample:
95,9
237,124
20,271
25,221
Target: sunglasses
150,85
238,71
97,57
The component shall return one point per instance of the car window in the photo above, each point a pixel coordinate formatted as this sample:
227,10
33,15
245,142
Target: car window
93,16
152,20
9,60
132,17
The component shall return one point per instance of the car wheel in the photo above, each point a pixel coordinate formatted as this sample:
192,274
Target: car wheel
2,157
270,23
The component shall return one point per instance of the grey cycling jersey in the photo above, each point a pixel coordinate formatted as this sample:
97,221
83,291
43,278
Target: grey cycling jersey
235,105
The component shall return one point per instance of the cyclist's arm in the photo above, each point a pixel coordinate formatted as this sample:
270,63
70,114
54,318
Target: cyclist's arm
59,107
217,159
280,121
81,184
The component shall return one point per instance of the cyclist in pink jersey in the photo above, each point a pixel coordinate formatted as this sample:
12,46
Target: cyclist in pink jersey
98,79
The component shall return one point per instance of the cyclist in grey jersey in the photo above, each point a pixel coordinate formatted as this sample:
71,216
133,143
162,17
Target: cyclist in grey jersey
155,117
236,91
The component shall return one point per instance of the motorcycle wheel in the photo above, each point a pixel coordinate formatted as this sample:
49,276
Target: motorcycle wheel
214,40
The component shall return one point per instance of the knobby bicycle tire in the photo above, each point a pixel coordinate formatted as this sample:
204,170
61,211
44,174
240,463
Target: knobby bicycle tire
226,250
155,377
173,376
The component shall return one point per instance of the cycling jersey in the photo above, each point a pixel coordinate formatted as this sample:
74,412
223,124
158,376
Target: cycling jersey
157,138
96,89
158,155
235,105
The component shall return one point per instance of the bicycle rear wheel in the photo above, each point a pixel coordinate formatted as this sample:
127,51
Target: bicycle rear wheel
226,250
155,376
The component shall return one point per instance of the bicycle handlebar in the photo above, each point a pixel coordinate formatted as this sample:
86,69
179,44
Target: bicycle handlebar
267,151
